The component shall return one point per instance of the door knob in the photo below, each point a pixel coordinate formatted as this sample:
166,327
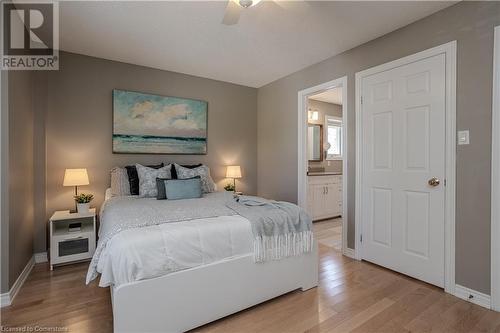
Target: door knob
434,181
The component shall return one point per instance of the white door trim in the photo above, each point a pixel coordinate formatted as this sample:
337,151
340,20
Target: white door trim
495,178
449,50
302,150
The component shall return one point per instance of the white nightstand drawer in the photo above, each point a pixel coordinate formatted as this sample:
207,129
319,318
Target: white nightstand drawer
72,247
68,246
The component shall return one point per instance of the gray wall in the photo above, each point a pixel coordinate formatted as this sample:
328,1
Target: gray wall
471,24
79,126
40,112
323,109
21,172
4,186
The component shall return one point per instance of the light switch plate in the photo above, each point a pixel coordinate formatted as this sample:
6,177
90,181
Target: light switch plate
463,137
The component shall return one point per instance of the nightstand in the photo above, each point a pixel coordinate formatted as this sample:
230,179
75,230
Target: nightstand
70,246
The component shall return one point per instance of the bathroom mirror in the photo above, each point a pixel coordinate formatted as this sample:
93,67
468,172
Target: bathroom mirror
315,142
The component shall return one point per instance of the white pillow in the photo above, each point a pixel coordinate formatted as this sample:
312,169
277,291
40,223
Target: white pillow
147,179
120,185
207,183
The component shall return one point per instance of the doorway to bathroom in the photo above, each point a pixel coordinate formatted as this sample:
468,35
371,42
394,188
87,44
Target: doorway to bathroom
323,161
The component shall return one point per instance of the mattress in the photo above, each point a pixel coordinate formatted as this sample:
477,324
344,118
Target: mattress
148,252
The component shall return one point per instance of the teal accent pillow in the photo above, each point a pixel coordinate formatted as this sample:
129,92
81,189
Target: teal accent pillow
183,188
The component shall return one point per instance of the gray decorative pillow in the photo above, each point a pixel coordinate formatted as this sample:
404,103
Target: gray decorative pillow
120,185
207,183
160,189
147,179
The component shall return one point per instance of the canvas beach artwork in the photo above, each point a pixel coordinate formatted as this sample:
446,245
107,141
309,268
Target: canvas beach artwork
152,124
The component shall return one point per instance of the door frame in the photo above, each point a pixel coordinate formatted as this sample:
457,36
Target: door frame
302,150
495,177
449,50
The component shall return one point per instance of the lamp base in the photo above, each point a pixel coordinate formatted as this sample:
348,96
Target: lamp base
76,208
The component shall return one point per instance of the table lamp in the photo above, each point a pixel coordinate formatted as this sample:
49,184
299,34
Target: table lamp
233,171
75,177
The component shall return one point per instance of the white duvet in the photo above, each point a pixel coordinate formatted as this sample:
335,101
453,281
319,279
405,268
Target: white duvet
143,253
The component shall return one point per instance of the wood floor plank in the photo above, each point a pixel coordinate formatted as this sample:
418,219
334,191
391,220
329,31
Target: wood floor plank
431,320
363,316
461,317
409,307
353,296
490,322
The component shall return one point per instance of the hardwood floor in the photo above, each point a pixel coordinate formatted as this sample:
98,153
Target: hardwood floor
352,297
329,233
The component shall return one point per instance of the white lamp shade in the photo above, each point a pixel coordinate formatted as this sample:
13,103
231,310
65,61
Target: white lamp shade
75,177
233,171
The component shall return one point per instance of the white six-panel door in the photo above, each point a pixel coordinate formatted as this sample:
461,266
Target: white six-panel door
403,140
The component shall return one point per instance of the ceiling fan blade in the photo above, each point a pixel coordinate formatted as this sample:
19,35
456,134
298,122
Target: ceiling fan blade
232,14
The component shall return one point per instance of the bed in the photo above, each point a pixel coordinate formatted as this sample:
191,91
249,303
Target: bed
210,272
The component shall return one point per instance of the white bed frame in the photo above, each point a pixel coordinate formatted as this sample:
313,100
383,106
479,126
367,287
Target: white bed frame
184,300
190,298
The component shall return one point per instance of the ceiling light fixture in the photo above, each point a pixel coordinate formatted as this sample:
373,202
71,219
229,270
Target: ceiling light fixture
245,3
248,3
234,8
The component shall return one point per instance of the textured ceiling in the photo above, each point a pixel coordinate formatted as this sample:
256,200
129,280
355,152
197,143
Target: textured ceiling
270,41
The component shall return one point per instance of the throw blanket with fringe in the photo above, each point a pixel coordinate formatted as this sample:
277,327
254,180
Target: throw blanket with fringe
280,229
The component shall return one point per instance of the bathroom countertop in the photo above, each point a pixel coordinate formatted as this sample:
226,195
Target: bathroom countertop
324,173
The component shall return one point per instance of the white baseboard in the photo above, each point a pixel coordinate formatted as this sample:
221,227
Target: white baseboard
349,252
473,296
6,299
40,257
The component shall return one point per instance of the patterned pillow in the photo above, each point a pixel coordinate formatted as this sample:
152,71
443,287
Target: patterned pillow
147,179
120,185
133,178
189,166
207,183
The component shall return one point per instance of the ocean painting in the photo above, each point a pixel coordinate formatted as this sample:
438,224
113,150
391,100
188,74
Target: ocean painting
152,124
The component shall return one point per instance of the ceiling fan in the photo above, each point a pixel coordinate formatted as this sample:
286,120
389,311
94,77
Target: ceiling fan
234,8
